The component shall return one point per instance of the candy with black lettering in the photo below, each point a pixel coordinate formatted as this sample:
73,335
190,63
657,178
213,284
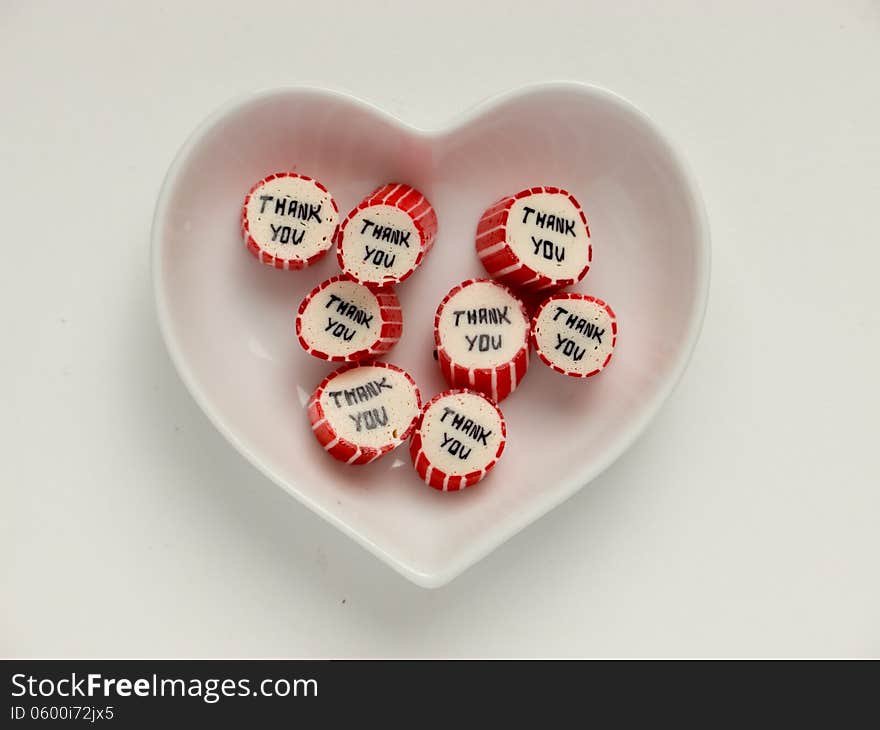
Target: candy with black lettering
537,240
574,334
387,236
289,221
458,440
361,412
481,335
342,320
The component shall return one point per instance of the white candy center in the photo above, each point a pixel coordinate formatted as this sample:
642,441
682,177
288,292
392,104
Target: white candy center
381,242
547,234
291,218
574,334
341,319
482,326
370,406
460,433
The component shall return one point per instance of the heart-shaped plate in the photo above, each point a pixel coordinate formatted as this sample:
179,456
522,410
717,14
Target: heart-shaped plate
228,321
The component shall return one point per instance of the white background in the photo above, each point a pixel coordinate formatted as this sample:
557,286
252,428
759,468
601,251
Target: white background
746,521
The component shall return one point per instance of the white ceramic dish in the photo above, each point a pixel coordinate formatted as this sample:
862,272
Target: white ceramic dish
228,321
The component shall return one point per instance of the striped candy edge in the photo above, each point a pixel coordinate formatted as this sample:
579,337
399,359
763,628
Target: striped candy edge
410,201
340,448
498,257
437,478
267,258
390,313
582,297
497,382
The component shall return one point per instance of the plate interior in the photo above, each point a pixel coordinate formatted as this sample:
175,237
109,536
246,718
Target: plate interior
229,321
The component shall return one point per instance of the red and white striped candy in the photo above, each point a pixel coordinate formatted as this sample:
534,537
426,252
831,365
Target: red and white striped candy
361,412
386,237
288,220
535,240
343,321
481,333
458,440
574,334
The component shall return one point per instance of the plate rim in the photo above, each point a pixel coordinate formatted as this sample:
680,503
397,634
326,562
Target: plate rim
568,487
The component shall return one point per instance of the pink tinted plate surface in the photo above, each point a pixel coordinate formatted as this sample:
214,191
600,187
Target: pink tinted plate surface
228,321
